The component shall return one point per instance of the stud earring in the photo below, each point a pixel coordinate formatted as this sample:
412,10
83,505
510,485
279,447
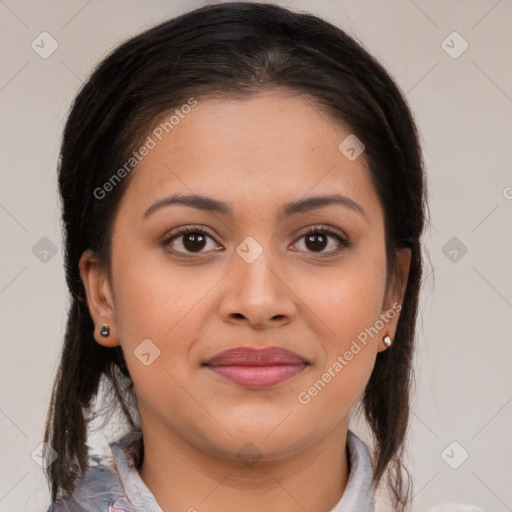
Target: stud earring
105,331
387,341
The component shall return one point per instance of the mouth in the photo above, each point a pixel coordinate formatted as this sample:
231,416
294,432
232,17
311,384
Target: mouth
252,368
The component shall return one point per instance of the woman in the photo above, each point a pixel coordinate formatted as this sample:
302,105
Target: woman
243,199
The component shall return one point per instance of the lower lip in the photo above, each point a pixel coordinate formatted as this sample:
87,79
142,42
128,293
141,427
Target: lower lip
258,376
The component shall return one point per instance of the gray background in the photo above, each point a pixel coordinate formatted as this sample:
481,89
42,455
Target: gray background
463,106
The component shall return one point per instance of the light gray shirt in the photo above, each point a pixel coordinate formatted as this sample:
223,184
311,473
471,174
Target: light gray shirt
116,486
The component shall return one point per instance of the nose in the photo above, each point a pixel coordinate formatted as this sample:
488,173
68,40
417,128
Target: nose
257,294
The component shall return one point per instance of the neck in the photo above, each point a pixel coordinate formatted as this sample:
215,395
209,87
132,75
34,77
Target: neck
183,477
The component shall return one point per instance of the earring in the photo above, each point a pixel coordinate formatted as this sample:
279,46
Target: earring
105,331
387,341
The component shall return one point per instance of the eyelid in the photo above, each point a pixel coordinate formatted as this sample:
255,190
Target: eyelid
325,229
318,228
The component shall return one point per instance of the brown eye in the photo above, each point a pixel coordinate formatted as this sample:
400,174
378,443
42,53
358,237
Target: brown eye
194,241
322,240
189,240
316,241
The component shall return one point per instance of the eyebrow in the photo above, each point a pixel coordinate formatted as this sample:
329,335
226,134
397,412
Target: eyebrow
208,204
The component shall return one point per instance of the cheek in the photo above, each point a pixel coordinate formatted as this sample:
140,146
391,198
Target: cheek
153,297
153,303
348,299
349,349
347,303
166,305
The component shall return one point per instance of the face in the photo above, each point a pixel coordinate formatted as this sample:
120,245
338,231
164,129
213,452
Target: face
261,265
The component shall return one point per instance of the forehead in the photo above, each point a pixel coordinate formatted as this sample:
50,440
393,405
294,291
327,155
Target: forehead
257,151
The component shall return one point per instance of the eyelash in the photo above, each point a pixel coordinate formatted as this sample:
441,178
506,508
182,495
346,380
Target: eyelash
344,244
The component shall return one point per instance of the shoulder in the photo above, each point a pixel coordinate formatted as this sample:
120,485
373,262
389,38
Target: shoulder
455,507
97,488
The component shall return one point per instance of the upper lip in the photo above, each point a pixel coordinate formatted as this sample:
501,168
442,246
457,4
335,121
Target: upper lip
246,356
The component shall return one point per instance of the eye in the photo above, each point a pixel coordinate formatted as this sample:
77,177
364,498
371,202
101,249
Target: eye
189,240
193,239
316,239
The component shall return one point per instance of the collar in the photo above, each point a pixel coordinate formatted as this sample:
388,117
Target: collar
359,493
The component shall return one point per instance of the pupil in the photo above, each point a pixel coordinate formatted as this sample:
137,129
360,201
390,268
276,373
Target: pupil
317,239
194,241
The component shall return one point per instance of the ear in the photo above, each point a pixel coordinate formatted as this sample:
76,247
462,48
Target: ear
99,298
394,297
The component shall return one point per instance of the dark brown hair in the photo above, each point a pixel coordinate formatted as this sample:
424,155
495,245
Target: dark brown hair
232,49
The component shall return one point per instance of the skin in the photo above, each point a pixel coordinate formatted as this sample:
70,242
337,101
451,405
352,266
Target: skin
256,154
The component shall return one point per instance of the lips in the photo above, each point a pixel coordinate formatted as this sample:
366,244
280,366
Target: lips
255,368
256,357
